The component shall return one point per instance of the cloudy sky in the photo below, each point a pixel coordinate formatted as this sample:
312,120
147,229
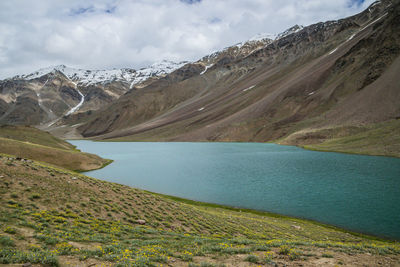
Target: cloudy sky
107,34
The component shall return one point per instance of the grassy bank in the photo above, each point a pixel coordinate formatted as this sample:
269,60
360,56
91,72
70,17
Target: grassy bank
30,143
58,217
34,136
267,214
381,139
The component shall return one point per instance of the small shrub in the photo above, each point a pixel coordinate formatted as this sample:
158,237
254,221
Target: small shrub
284,250
48,240
6,241
10,230
34,247
34,196
59,219
242,241
44,257
64,248
294,254
12,202
252,259
205,264
187,256
268,257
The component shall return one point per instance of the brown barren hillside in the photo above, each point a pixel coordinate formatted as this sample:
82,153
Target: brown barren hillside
322,78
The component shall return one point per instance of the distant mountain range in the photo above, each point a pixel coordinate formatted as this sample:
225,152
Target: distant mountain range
90,77
43,97
306,86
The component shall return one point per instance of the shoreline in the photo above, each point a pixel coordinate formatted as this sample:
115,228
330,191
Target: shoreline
89,234
308,147
276,142
367,235
105,164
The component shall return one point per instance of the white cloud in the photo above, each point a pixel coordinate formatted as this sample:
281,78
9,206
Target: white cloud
134,33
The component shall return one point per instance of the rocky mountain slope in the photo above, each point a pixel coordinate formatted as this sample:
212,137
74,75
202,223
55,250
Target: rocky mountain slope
243,49
306,86
310,85
45,96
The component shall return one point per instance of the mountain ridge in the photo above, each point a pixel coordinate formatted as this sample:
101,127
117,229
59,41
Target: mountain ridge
291,89
285,87
88,77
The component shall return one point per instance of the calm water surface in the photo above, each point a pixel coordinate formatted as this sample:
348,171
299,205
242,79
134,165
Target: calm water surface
360,193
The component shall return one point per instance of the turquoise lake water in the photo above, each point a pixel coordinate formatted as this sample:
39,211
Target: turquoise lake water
360,193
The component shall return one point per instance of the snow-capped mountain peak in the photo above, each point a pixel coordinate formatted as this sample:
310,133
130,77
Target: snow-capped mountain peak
263,36
247,47
87,77
268,38
157,69
274,37
289,31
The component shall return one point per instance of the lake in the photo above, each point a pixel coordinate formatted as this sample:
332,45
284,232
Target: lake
359,193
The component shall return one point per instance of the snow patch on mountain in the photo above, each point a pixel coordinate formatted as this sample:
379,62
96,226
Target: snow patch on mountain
206,68
291,30
156,70
249,88
261,37
268,38
373,4
354,34
72,110
274,37
247,47
333,51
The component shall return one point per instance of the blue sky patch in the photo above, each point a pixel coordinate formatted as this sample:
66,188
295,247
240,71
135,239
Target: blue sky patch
191,2
111,10
215,20
81,10
356,2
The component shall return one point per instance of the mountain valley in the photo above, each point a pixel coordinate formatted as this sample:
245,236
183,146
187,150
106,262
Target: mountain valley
331,86
305,86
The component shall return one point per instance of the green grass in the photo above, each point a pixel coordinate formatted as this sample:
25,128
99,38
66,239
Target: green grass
34,136
105,229
31,143
382,139
261,213
69,159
